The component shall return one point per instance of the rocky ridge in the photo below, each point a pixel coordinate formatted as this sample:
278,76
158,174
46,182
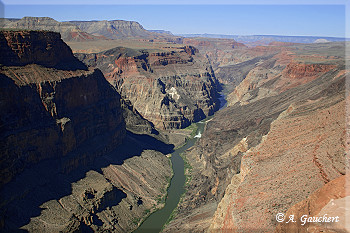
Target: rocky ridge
219,51
116,200
279,72
170,87
68,162
43,100
260,157
68,31
121,29
90,30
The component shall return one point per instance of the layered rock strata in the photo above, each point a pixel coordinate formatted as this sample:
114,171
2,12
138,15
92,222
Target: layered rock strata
46,48
51,113
218,50
67,163
171,87
260,157
90,30
291,67
121,29
115,200
312,156
69,31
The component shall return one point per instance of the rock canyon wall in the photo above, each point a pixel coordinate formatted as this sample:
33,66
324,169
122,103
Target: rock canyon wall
68,164
49,112
171,87
273,147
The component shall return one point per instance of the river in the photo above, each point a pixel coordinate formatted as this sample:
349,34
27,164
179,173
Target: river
156,220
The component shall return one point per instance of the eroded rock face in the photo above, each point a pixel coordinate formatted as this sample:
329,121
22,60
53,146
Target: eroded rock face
46,48
69,31
116,199
260,157
145,180
307,159
279,72
50,113
134,121
328,201
121,29
218,50
69,116
68,164
171,88
45,119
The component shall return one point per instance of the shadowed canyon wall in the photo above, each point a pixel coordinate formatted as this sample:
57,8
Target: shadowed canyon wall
52,113
68,164
171,87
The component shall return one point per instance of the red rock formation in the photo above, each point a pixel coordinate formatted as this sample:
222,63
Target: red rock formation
313,205
306,159
212,43
299,70
171,88
296,74
286,73
259,158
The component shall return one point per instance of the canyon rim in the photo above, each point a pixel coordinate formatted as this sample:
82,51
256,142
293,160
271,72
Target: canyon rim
109,126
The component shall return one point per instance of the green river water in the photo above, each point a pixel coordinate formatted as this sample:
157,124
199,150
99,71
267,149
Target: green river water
155,222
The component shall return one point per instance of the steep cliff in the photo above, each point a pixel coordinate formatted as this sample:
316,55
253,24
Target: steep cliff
260,157
46,48
121,29
50,113
171,87
218,50
116,200
69,31
291,67
68,164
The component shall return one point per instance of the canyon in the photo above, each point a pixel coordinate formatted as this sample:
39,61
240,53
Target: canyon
171,87
281,138
65,148
88,122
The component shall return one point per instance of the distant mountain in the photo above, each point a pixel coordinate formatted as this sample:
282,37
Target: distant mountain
162,31
266,39
120,29
321,41
68,31
114,29
91,30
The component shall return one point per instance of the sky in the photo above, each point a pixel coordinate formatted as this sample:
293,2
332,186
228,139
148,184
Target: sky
295,18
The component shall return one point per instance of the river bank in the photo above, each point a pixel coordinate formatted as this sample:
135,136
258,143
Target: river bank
181,176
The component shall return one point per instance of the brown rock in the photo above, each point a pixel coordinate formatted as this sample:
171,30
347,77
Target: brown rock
45,48
50,113
267,154
171,88
318,205
69,31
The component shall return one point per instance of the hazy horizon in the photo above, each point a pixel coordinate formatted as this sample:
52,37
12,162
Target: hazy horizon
276,20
